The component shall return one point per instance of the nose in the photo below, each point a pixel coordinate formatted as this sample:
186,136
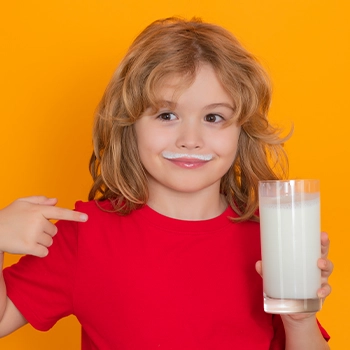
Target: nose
189,136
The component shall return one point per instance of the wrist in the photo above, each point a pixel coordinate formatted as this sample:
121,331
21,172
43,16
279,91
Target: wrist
302,332
299,320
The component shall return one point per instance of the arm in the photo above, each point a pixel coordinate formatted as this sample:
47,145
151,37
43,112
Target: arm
25,229
303,333
11,319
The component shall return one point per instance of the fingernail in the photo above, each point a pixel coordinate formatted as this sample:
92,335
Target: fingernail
83,217
321,293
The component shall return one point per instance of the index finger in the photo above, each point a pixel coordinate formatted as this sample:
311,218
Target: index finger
57,213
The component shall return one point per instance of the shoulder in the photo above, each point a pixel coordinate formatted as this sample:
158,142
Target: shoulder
245,225
98,213
93,206
97,209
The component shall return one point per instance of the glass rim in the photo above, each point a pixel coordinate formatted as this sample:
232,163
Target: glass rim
289,181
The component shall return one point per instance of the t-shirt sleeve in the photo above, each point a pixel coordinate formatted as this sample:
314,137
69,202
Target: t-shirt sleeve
42,288
279,339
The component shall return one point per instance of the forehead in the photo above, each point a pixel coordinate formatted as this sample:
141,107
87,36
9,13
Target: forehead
170,87
204,82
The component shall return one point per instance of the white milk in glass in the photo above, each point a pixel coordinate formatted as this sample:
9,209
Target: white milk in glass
290,241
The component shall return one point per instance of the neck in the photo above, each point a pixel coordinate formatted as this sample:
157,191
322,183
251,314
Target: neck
188,206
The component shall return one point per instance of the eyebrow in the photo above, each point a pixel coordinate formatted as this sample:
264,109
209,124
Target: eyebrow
214,105
165,103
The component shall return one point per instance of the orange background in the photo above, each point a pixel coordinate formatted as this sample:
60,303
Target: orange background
58,56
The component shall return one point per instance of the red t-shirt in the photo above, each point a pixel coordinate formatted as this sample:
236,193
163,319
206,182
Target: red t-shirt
146,281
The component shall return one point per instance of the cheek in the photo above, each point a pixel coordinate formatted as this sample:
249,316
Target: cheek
227,144
150,146
153,141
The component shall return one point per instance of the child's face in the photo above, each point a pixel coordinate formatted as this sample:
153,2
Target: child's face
185,146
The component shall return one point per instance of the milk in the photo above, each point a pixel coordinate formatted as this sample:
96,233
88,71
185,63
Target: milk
290,240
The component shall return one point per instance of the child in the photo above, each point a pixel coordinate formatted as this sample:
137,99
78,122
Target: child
167,257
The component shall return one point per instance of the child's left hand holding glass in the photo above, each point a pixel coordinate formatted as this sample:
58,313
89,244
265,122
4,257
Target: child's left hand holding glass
326,267
301,329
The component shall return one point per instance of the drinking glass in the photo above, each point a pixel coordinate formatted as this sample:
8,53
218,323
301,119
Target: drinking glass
290,245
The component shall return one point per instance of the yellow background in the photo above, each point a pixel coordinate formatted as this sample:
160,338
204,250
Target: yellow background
58,56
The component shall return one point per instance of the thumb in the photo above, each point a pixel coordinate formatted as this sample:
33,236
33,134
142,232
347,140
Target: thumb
42,200
258,267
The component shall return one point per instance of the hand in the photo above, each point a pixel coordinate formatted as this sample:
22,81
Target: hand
25,227
326,267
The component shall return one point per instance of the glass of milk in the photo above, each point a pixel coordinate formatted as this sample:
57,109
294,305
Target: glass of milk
290,245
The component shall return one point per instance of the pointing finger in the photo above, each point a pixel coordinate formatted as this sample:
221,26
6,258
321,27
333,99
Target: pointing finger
56,213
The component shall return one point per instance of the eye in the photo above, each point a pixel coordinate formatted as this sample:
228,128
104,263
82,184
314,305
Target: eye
213,118
167,116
